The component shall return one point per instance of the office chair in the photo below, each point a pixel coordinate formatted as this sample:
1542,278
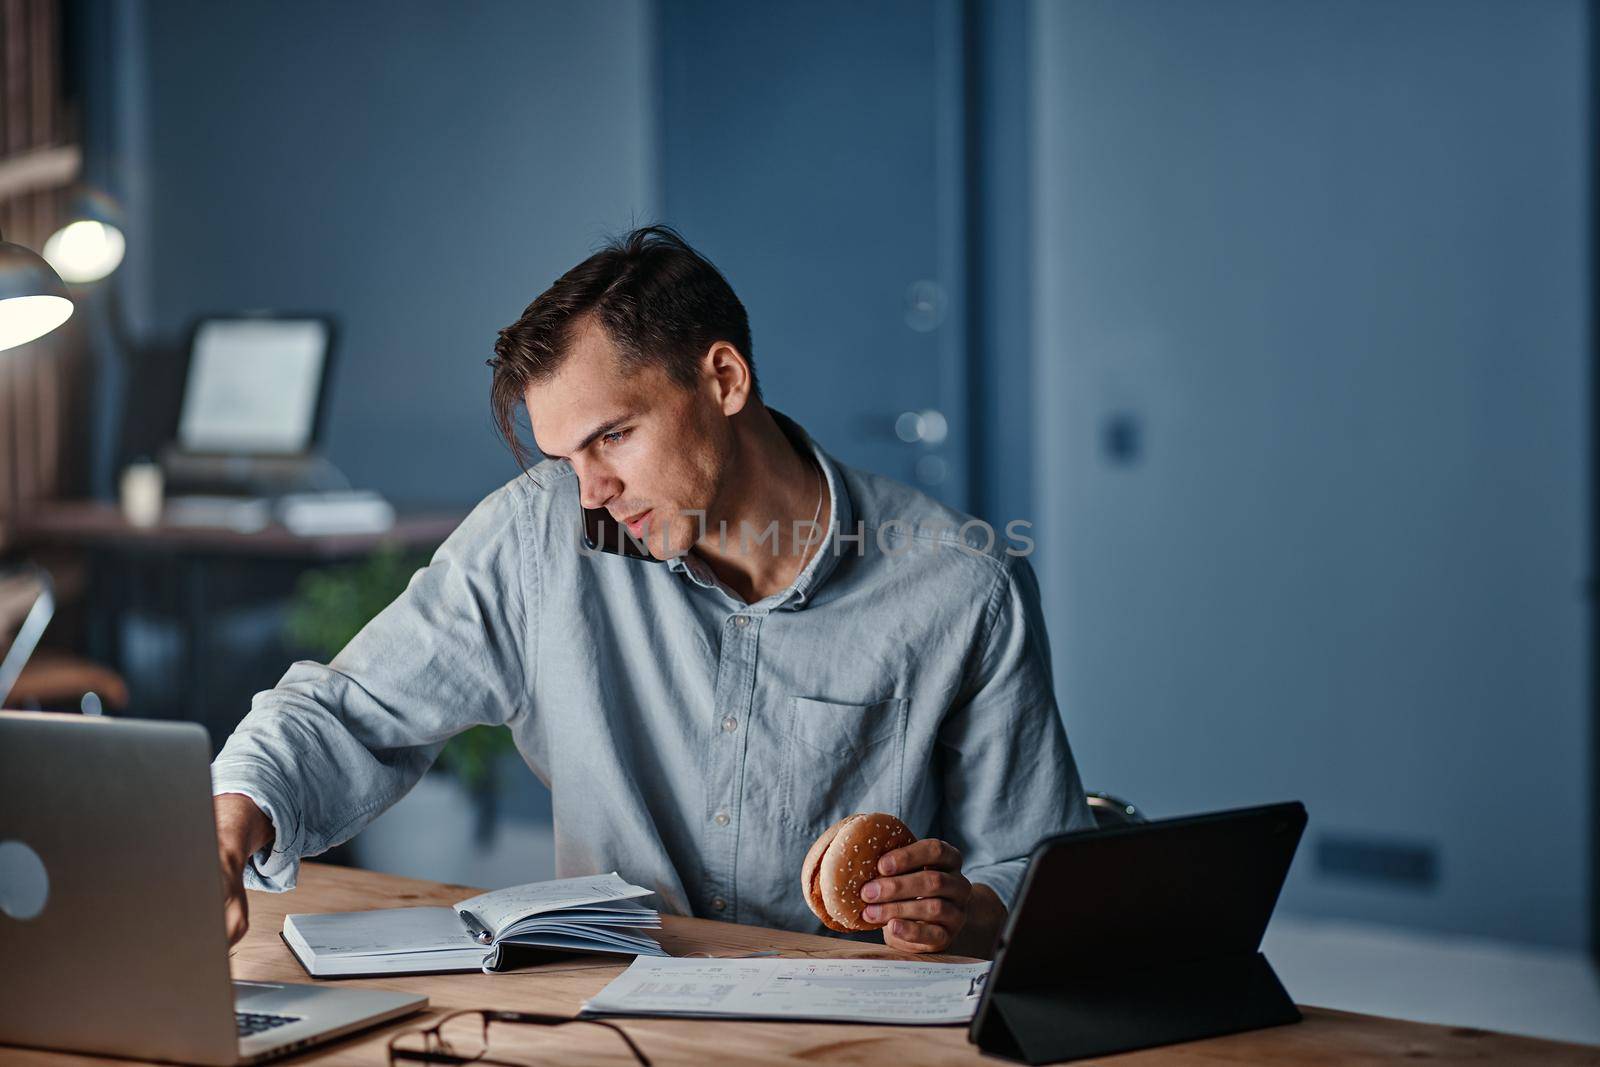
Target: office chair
1110,811
46,679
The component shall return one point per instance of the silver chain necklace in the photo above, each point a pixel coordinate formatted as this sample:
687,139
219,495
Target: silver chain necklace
817,514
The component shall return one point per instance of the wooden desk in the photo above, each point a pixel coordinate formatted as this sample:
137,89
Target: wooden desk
1325,1037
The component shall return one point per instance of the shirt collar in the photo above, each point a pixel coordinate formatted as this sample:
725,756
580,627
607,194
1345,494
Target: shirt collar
822,564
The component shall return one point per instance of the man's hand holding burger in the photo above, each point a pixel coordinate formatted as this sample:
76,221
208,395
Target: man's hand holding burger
928,905
868,872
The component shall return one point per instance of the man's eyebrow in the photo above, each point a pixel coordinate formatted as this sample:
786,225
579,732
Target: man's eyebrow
599,431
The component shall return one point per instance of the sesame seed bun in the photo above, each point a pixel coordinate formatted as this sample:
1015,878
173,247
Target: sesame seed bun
810,869
844,859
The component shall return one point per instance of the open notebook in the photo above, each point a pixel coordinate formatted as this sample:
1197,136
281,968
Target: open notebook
592,914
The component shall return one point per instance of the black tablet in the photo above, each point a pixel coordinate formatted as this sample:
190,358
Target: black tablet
1141,935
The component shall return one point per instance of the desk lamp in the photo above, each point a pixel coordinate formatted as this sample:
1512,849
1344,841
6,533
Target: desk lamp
33,298
90,246
33,301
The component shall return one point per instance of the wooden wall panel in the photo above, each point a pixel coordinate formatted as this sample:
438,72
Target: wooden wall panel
42,385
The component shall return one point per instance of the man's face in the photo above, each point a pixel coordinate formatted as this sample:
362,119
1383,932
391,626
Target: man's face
644,447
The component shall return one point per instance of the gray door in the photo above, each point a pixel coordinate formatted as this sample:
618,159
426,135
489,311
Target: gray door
813,153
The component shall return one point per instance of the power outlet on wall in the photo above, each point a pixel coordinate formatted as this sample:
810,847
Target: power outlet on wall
1399,864
1122,438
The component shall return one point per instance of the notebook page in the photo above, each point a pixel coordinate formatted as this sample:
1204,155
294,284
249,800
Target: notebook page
501,908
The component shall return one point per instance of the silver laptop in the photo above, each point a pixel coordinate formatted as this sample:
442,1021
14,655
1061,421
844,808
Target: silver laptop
111,922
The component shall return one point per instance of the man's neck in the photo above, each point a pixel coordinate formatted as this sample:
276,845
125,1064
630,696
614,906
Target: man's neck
770,486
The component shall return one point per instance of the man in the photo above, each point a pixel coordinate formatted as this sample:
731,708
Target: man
702,716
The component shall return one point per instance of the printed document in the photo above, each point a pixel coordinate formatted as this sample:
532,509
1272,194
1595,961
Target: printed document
907,992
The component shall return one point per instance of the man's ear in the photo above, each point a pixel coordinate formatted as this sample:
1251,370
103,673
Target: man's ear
728,376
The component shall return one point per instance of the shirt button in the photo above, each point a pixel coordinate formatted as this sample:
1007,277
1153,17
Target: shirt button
741,621
718,904
720,818
730,724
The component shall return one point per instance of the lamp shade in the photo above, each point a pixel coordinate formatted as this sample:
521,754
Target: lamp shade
91,244
33,298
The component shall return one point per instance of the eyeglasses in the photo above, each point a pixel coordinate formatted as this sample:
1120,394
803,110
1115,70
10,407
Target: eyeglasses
462,1037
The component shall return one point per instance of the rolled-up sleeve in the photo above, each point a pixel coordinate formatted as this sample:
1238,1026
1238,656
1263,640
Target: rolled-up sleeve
1009,775
334,745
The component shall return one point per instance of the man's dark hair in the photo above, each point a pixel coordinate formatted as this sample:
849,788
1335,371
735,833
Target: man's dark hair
661,303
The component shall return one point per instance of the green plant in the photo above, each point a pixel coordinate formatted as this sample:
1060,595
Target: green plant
330,605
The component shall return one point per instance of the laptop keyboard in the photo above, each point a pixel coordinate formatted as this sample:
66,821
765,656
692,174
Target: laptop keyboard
254,1022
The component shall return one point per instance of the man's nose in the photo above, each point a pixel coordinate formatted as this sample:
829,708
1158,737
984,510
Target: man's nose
597,488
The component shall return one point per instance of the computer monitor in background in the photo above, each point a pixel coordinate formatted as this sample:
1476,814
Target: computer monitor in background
255,385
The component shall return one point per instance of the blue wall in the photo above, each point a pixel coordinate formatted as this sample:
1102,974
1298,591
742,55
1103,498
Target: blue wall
421,169
1000,235
1331,258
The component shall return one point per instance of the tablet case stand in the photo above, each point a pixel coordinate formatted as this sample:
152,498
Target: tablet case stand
1144,934
1082,1017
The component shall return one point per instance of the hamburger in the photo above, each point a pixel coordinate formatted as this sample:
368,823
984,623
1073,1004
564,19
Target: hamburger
844,859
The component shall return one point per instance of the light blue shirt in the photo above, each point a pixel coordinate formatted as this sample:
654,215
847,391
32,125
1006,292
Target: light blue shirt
692,742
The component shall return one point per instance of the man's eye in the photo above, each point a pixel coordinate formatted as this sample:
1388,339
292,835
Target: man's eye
614,436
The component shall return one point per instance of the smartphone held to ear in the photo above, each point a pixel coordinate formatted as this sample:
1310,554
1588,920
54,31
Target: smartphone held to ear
602,533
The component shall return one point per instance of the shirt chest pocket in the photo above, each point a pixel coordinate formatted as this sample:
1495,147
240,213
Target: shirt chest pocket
840,759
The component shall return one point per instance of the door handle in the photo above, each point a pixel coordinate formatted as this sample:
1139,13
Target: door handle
929,426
